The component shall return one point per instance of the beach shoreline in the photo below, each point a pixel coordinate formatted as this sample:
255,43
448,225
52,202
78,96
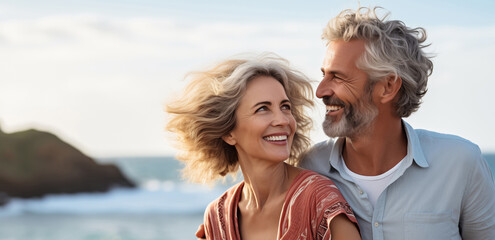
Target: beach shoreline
100,226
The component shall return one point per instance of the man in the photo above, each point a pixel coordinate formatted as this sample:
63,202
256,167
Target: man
402,183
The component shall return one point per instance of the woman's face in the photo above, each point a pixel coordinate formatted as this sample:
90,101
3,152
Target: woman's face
265,126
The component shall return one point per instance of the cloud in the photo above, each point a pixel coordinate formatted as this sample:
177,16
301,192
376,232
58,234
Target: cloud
461,87
100,82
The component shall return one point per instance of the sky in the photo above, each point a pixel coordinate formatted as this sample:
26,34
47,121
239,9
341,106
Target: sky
98,73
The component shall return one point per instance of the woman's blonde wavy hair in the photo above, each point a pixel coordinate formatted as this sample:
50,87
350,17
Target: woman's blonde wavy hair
206,111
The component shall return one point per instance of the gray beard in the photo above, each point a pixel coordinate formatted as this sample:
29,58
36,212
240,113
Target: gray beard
355,120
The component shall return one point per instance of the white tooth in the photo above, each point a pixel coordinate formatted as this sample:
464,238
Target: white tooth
276,138
333,108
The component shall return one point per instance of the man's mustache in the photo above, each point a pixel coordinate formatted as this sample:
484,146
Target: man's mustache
332,100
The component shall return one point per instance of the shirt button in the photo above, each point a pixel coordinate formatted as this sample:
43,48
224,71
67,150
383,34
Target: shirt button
361,192
377,224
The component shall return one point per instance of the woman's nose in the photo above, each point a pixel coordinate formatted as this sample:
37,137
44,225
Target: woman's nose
280,118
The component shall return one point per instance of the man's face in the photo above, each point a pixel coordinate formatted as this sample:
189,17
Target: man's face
345,90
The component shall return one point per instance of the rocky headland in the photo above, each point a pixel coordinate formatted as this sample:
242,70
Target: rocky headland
34,163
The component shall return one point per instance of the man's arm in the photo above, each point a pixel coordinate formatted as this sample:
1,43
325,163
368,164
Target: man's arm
478,205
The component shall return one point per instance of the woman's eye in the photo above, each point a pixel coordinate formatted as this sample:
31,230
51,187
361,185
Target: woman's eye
286,107
264,108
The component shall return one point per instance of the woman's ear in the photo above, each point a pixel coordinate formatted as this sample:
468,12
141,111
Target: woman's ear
390,88
229,139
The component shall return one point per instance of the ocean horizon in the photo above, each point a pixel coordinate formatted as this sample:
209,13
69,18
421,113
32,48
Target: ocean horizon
162,206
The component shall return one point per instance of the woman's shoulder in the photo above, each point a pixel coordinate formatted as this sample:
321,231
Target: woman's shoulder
312,179
324,197
314,199
219,214
316,188
225,199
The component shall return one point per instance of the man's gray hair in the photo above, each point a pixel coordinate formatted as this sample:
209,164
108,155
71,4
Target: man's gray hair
391,48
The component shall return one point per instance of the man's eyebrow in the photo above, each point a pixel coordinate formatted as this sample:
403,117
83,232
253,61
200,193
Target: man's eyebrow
339,74
334,73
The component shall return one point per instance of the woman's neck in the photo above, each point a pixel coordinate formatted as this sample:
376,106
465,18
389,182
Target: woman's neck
265,182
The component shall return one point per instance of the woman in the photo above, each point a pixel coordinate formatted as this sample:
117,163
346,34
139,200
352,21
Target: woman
250,113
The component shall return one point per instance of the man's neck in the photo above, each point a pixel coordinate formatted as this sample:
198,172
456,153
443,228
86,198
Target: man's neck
377,150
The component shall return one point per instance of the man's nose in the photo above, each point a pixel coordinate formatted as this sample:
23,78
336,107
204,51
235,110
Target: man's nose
324,89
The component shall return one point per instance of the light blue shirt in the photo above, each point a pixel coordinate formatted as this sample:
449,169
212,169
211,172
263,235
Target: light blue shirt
443,190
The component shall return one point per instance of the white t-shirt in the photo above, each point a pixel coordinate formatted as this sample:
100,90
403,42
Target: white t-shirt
373,185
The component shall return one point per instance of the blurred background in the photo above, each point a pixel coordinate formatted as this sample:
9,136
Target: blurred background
91,77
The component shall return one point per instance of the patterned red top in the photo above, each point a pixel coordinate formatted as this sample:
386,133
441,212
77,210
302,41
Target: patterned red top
312,201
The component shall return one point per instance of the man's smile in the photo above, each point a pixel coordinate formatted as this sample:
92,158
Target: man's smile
332,108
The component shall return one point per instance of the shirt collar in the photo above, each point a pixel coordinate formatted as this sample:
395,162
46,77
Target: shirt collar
414,146
414,149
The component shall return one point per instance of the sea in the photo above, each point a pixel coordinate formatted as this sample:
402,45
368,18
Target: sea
162,207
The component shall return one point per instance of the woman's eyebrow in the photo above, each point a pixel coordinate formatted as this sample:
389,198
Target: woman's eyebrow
263,103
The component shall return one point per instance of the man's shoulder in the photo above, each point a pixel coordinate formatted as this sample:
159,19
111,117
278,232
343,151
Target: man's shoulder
435,141
448,150
318,156
323,147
